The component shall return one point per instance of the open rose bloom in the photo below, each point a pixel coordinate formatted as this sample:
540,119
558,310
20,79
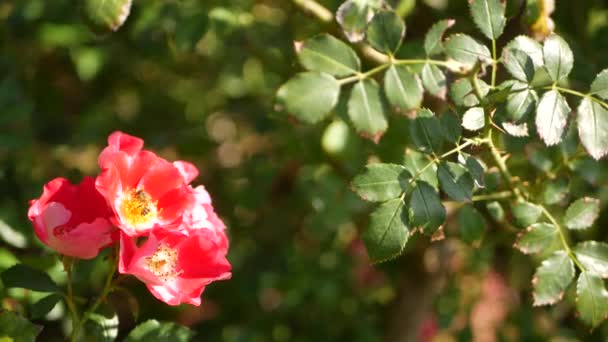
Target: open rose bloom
170,237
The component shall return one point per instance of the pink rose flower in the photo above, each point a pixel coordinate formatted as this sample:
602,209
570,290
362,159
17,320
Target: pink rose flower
72,219
144,191
176,267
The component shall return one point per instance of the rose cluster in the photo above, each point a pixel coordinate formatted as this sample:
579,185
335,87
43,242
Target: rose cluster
170,237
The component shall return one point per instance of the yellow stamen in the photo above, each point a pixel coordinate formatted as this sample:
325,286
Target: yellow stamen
163,263
137,208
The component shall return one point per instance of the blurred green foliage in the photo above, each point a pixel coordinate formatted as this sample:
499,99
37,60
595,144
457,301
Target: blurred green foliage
196,79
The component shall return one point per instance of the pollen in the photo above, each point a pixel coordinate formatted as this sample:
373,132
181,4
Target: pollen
138,209
163,263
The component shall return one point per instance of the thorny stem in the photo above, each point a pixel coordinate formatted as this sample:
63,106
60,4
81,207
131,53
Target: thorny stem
104,293
363,75
69,298
502,167
494,63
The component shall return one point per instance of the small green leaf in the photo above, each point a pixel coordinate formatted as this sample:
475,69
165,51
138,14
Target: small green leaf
530,47
354,15
519,64
521,102
466,50
433,39
417,164
104,16
474,119
451,127
551,117
489,16
29,278
558,57
536,238
463,95
101,328
591,299
154,331
455,181
592,122
44,305
17,328
426,132
516,130
599,86
474,167
388,232
425,209
324,53
594,257
434,80
582,213
366,110
555,191
552,278
471,223
381,182
385,32
310,96
403,88
526,213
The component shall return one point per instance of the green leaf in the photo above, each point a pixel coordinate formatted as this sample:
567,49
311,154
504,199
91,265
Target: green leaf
366,110
455,181
310,96
551,117
471,223
582,213
101,328
519,64
592,122
381,182
433,39
530,47
474,119
434,80
388,232
426,132
489,16
474,167
526,213
466,50
385,32
29,278
403,88
44,305
552,278
520,102
536,238
599,86
324,53
516,130
591,299
104,16
558,57
554,192
425,209
463,95
594,257
354,15
17,328
418,164
154,331
451,127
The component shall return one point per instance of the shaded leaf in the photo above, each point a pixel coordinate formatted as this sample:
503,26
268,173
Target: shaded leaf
29,278
552,278
310,96
463,95
594,257
44,305
426,132
582,213
530,47
387,233
366,110
599,86
536,238
17,328
418,164
558,57
385,32
433,44
451,127
425,209
381,182
474,119
554,192
434,80
551,116
519,64
471,223
353,17
466,50
521,102
155,331
324,53
592,122
403,88
474,167
101,328
526,213
591,299
455,181
489,16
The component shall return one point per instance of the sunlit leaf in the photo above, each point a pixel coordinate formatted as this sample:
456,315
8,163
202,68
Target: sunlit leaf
473,119
466,50
551,116
381,182
155,331
552,278
582,213
463,95
433,44
489,16
536,238
526,213
366,110
385,32
592,122
388,232
106,15
310,96
327,54
558,57
599,86
403,88
594,256
591,299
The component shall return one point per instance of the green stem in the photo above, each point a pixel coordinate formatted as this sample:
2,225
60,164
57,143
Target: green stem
577,93
492,197
363,75
69,298
494,63
104,293
562,237
315,9
502,167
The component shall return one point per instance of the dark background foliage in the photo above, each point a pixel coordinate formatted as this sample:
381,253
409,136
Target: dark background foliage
196,80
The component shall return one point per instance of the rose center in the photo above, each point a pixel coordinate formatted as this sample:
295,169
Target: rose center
138,208
163,263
